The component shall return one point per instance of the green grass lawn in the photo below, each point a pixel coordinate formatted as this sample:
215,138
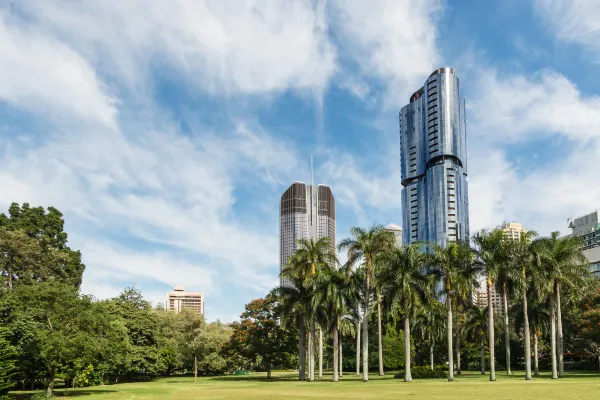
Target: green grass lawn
470,386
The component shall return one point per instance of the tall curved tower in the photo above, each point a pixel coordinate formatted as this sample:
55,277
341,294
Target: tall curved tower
305,212
433,152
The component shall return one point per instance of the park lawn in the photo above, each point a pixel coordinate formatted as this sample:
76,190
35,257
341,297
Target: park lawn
469,385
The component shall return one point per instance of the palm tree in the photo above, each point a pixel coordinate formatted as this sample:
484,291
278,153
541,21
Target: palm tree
405,286
489,252
347,328
430,322
451,264
504,285
538,316
566,266
367,245
477,325
334,292
303,267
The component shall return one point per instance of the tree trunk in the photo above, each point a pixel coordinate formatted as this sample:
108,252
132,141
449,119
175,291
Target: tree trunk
365,338
507,332
358,349
9,272
431,355
458,372
407,374
379,339
269,371
195,368
340,354
535,352
449,329
527,339
311,351
50,385
320,352
335,353
559,333
491,329
482,354
302,346
553,336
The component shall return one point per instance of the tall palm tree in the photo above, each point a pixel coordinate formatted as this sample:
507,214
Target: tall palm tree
430,322
451,264
367,245
504,285
334,293
405,286
566,266
489,252
476,326
538,317
521,271
303,267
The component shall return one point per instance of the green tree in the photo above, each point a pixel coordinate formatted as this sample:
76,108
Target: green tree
261,337
367,245
430,324
453,264
8,368
405,287
62,263
477,325
489,248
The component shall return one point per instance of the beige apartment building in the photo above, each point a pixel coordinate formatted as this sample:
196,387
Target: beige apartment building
397,231
513,230
480,299
179,299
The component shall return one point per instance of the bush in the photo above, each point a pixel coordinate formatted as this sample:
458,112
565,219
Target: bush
424,373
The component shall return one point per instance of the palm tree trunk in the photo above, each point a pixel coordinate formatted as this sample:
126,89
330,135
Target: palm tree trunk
458,371
320,352
365,338
379,339
341,366
407,374
527,339
491,329
482,354
335,352
311,351
302,346
358,349
536,366
449,329
431,355
553,336
559,332
507,332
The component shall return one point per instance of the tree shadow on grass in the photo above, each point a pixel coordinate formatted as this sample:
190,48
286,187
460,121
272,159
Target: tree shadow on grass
70,393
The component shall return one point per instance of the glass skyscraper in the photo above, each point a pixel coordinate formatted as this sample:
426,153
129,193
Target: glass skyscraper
433,154
306,211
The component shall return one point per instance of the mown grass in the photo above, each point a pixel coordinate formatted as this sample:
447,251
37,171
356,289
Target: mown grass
469,385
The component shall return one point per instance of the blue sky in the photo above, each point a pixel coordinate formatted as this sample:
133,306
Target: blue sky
167,131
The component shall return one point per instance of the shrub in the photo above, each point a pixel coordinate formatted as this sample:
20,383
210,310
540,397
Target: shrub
424,373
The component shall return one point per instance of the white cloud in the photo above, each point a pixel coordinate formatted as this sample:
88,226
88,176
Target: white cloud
45,76
223,47
512,108
573,21
391,40
517,110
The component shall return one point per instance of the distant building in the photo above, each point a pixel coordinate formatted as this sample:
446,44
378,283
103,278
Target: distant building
588,228
179,299
513,230
480,298
397,231
305,211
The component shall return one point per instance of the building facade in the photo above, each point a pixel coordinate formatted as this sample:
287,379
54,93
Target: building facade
397,231
588,228
305,211
434,162
480,299
512,230
179,299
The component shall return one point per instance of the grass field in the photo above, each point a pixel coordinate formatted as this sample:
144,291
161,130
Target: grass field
470,386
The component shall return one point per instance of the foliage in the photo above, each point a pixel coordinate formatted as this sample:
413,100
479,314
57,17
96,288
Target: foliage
424,373
7,366
393,348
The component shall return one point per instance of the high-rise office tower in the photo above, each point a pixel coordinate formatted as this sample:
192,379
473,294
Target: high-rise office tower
434,162
588,227
306,211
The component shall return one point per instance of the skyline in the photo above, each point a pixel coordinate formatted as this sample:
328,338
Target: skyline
167,141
